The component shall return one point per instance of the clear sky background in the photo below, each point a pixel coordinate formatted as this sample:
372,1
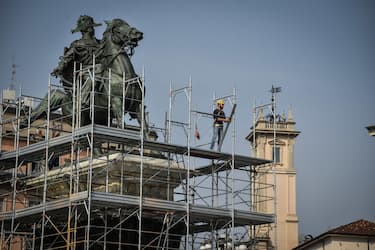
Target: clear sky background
321,52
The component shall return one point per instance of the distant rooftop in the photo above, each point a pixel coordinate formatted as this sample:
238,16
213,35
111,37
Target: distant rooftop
356,228
359,227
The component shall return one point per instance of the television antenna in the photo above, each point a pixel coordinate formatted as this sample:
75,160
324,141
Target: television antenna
13,81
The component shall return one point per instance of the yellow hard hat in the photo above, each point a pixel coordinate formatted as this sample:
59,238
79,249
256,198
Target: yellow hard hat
221,101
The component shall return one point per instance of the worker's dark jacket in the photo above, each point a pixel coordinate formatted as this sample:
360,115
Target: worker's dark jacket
218,114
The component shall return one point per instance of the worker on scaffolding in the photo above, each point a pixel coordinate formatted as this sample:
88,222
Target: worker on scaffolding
219,119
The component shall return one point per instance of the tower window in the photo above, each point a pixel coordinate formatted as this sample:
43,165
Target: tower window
276,156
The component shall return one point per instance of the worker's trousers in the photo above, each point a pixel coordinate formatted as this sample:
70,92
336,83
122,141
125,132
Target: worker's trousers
217,134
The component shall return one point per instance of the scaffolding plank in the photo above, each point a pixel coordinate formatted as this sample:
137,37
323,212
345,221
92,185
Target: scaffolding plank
100,199
215,168
36,151
49,206
115,135
198,213
62,144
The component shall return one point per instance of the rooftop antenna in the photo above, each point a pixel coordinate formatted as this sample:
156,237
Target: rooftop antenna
13,81
9,94
274,90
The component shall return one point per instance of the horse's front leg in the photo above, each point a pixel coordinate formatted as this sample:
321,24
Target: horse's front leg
145,123
116,106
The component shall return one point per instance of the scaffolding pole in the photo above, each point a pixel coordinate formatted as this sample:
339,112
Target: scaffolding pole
71,179
187,90
233,153
274,90
141,85
14,173
91,144
46,166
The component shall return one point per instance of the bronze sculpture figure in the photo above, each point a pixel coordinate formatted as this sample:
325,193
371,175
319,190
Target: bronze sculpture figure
80,51
112,52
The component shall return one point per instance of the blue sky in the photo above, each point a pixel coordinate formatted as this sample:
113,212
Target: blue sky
322,54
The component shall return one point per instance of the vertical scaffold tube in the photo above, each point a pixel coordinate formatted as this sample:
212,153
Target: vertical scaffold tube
170,113
109,97
142,84
2,235
14,173
123,101
274,163
121,192
28,125
79,99
213,181
1,123
46,165
168,133
188,168
252,176
71,160
33,243
89,179
233,154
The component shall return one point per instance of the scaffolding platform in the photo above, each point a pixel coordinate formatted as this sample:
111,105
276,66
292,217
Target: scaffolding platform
102,134
200,215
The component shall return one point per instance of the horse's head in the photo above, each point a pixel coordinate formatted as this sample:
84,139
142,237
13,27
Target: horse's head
122,33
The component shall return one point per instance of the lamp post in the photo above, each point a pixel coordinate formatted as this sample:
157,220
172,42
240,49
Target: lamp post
371,130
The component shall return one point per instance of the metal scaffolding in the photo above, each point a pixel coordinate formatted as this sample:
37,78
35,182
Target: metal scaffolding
69,182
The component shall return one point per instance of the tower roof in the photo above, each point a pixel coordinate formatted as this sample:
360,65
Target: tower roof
265,125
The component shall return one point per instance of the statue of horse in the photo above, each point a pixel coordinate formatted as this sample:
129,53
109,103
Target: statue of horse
119,40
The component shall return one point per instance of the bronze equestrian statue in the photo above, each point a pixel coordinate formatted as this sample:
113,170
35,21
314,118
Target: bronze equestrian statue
112,52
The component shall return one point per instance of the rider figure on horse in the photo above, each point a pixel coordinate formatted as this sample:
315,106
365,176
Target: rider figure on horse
80,51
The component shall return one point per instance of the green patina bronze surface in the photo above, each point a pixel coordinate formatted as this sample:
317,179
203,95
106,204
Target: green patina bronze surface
112,52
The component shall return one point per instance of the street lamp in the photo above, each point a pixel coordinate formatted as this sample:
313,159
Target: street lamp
371,130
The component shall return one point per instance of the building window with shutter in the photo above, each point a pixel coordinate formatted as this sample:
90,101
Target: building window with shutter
276,154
